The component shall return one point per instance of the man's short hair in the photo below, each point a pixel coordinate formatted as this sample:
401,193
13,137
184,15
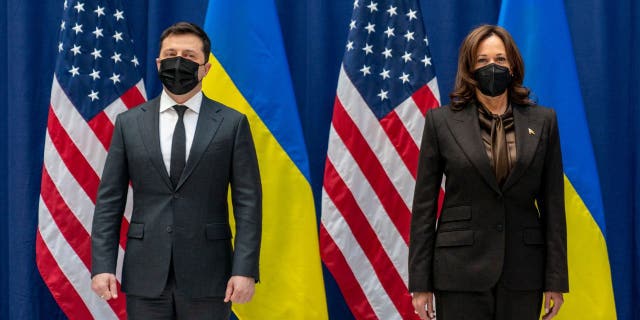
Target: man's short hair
189,28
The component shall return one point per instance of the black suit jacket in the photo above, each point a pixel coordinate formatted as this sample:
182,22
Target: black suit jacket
516,233
189,224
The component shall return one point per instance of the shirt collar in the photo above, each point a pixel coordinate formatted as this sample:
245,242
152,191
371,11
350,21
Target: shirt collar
194,103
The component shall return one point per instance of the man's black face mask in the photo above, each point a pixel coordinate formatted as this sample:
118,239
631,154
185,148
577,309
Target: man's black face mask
493,79
179,75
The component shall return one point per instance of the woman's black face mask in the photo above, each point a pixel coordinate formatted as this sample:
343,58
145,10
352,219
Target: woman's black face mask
493,79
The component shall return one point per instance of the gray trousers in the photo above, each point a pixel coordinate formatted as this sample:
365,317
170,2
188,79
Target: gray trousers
172,305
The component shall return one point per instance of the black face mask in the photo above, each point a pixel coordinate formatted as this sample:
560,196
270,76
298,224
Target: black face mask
179,75
492,79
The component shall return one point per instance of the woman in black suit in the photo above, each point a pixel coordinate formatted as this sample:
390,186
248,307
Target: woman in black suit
499,244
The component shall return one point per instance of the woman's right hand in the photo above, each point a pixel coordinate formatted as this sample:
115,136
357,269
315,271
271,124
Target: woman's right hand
423,305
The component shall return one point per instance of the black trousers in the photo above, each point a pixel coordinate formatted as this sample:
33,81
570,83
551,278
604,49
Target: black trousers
499,303
173,305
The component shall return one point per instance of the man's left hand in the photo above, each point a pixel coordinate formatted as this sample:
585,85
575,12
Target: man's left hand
240,289
551,310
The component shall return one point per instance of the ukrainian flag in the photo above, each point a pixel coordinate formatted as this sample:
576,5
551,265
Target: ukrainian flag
250,73
541,31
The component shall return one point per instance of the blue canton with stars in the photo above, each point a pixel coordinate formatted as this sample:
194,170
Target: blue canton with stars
387,56
96,63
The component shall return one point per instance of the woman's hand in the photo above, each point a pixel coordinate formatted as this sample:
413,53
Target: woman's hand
423,305
551,311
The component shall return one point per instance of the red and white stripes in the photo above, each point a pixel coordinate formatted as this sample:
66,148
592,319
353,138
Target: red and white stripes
366,200
74,155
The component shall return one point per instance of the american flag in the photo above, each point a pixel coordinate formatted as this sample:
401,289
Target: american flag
385,87
97,76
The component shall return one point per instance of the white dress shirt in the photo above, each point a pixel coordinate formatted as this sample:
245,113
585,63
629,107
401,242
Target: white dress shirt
168,120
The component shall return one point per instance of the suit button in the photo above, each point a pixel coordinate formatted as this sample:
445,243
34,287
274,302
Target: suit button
176,196
499,227
169,229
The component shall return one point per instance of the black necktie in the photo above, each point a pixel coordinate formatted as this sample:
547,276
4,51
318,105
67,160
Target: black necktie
178,147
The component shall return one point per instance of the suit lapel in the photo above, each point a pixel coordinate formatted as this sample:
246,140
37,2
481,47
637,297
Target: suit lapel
209,121
528,131
150,132
465,127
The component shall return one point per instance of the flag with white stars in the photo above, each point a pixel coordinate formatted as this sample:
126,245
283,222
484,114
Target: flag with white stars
97,76
96,63
386,85
387,56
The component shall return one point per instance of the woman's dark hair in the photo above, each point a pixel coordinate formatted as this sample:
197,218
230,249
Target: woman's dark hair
189,28
465,86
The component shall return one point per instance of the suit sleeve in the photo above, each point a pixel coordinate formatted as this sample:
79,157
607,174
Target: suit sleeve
246,196
551,205
110,204
424,210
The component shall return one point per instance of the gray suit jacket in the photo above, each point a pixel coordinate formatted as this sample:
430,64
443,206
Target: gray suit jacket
189,225
515,233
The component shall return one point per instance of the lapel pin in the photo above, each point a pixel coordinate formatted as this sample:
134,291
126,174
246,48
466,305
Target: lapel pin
531,132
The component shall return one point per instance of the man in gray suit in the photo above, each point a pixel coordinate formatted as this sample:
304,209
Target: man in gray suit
181,152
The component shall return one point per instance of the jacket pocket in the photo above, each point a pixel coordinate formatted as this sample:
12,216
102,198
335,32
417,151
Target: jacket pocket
456,214
454,238
533,236
136,230
217,231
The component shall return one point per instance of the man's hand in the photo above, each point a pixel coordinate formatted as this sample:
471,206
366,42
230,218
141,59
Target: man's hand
423,305
240,289
549,310
104,285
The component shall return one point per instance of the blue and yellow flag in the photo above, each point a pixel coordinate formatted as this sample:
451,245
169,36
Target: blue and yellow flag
250,73
541,30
